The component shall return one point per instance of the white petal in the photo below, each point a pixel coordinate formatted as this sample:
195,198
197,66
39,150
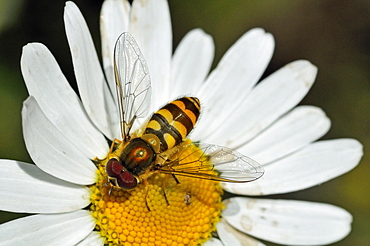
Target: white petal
150,25
231,81
191,63
296,129
51,150
58,101
312,165
213,242
232,237
114,20
93,239
288,222
27,189
269,100
94,92
47,229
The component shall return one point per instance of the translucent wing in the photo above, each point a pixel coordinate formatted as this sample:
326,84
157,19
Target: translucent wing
133,82
213,162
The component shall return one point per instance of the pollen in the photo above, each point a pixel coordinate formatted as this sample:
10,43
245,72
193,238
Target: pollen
163,210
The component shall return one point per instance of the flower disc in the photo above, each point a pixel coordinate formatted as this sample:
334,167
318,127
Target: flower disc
143,216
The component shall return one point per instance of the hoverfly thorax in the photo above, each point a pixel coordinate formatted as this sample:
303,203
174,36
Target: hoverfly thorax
137,156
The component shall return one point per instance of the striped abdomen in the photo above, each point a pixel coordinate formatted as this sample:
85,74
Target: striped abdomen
172,123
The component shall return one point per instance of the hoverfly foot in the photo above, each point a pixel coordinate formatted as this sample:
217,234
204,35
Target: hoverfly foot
147,205
165,197
174,177
110,190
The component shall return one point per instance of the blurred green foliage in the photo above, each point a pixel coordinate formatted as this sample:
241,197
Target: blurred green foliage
333,35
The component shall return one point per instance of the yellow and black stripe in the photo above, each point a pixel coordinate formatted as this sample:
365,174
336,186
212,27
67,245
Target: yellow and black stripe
172,123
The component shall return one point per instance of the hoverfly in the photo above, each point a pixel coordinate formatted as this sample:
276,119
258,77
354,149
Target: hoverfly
161,146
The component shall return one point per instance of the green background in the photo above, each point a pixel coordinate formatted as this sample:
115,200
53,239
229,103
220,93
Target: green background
332,34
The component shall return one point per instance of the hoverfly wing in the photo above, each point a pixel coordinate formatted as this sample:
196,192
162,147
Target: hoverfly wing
132,80
231,164
213,162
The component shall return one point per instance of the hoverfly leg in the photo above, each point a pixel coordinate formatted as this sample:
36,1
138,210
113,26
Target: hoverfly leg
147,205
114,142
112,182
147,194
174,177
110,189
164,190
165,197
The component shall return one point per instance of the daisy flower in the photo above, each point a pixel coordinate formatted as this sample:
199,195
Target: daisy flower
68,138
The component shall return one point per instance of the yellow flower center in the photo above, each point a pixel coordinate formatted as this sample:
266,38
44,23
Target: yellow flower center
187,217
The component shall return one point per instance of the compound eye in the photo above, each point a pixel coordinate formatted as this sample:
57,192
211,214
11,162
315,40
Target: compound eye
113,168
126,180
